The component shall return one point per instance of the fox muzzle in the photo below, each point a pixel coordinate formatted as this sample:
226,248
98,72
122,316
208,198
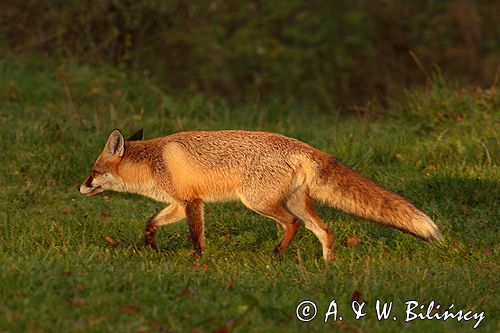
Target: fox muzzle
88,189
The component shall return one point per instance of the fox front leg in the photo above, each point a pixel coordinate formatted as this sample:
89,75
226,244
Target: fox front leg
195,219
173,213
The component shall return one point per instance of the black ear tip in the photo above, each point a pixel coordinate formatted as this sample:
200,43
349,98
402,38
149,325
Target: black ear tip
137,136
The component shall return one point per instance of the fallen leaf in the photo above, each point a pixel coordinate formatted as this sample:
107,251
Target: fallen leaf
111,240
223,329
68,211
356,295
80,287
129,309
353,241
105,214
188,291
230,285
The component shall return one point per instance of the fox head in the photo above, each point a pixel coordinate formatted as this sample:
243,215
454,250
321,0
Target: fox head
104,174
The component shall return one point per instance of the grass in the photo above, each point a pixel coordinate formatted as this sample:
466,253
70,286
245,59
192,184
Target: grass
72,263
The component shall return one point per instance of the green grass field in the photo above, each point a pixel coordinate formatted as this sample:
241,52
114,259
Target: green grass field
70,263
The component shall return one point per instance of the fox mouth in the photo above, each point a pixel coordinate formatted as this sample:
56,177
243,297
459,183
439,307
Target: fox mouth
89,191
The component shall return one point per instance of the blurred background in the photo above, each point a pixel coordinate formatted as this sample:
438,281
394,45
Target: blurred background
321,54
404,91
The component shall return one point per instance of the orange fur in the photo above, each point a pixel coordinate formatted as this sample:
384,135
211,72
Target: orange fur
271,174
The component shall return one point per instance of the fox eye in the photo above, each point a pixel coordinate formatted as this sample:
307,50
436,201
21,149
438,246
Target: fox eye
96,173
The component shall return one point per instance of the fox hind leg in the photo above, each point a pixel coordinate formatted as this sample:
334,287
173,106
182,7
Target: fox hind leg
289,231
173,213
288,221
277,212
300,204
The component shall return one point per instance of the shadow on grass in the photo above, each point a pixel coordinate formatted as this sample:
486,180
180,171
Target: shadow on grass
467,207
474,193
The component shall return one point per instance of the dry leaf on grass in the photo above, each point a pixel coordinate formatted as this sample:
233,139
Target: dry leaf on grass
353,241
188,291
223,329
129,309
111,240
80,287
356,295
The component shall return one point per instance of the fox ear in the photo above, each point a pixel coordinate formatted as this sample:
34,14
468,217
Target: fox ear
137,136
116,143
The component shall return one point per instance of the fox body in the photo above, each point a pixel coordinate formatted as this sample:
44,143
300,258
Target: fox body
271,174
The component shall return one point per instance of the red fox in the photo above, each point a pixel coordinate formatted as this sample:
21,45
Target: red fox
273,175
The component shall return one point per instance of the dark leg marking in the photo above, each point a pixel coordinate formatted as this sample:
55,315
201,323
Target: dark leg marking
195,219
149,234
289,232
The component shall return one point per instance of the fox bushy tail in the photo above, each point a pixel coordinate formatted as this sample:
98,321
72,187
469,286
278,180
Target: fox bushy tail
342,188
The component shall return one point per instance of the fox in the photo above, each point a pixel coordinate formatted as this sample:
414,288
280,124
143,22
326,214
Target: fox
274,175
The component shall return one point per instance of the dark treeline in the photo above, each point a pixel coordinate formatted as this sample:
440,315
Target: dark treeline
321,53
